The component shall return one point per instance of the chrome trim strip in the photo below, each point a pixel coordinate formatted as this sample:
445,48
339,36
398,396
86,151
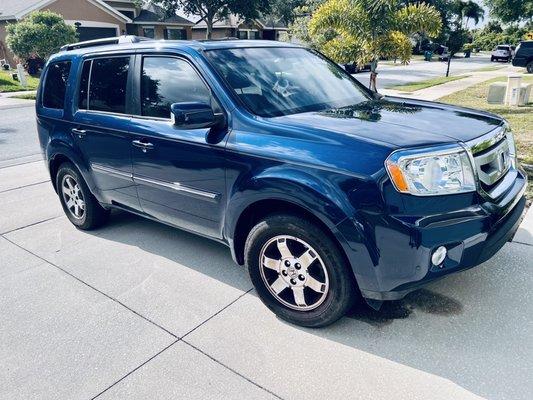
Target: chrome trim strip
178,187
487,140
112,171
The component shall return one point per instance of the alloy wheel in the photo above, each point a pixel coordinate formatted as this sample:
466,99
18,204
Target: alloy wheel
294,273
73,196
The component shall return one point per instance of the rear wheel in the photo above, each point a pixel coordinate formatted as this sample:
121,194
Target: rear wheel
298,271
80,206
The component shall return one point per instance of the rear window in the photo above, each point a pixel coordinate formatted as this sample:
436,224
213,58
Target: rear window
105,88
502,48
55,85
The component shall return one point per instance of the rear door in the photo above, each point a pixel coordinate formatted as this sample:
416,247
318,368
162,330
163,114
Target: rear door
180,173
100,126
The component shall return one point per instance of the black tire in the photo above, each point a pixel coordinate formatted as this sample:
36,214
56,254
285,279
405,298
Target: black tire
529,67
492,59
342,289
93,215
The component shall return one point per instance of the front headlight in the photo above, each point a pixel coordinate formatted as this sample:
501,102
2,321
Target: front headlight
429,172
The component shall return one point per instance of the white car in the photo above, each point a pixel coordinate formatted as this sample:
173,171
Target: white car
502,52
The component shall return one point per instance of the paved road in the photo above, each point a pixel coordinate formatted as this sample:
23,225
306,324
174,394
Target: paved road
18,135
420,70
139,310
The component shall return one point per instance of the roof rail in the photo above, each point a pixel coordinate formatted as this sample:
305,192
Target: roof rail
103,42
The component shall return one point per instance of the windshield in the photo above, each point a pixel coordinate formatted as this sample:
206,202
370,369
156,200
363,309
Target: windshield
506,48
277,81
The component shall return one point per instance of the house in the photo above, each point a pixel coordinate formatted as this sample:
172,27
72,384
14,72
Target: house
96,19
233,26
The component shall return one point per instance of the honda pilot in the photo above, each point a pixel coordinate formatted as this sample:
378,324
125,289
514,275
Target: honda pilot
327,192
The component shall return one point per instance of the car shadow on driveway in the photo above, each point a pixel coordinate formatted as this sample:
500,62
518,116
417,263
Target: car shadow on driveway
472,328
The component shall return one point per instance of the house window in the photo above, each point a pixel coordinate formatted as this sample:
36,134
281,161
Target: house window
248,34
176,34
148,31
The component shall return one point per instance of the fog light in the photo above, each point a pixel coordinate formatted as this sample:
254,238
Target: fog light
439,255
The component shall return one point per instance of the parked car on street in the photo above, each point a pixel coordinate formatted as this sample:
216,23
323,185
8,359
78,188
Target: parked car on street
443,53
326,191
503,52
353,68
524,56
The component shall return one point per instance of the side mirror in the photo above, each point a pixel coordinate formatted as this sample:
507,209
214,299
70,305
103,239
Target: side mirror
192,115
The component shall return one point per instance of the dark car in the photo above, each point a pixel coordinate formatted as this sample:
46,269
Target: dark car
524,56
327,192
354,68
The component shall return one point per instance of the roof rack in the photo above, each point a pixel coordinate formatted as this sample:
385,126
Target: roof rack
103,42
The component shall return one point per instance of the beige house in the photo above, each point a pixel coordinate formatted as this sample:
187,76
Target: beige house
233,26
96,19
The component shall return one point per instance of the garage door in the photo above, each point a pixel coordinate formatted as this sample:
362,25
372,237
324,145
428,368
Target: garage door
89,33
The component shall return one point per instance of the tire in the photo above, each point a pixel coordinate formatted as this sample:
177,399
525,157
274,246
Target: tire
529,67
322,268
79,204
492,59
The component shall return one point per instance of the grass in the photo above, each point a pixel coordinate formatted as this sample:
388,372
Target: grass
491,68
25,96
7,84
520,118
414,86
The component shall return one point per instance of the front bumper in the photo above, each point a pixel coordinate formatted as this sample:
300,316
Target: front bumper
396,259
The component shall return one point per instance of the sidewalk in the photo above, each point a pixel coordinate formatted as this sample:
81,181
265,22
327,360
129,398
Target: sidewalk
7,100
436,92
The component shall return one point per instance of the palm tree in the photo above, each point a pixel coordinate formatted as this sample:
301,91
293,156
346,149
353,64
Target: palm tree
467,10
367,30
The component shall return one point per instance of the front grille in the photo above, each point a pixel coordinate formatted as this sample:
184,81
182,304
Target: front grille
492,158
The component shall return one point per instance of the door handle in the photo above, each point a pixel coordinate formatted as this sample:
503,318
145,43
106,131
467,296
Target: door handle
79,132
143,145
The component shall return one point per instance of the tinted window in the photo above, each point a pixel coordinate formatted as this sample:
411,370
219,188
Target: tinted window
166,81
55,85
84,85
108,84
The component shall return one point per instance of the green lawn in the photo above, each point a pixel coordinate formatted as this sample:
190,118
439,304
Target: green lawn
520,118
414,86
7,84
25,96
491,68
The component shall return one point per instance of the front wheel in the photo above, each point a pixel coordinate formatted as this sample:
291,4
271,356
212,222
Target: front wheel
492,59
298,271
529,67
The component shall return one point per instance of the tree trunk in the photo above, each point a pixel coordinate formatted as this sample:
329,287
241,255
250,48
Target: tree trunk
448,68
209,30
373,75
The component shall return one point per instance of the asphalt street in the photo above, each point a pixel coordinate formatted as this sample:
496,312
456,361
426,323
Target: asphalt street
389,75
138,310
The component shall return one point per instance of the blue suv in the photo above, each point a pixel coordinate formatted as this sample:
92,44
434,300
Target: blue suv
327,192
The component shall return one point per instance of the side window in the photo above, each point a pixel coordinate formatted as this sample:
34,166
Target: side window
83,97
165,81
108,83
55,85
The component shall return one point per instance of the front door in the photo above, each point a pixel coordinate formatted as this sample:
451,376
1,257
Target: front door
100,128
180,173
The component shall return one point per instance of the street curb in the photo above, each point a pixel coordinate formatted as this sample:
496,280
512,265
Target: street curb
30,103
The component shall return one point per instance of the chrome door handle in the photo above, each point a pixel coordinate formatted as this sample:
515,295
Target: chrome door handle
79,132
143,145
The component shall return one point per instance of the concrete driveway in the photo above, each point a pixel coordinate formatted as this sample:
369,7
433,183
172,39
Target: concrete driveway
139,310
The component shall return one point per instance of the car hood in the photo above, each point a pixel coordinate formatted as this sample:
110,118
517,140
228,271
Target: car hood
399,122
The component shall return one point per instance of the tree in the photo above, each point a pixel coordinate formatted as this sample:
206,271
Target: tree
211,11
508,11
456,41
40,35
367,30
286,10
467,10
